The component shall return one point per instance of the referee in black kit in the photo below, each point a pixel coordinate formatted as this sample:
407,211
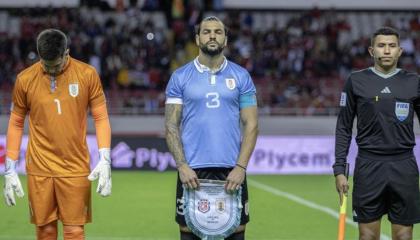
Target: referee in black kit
386,177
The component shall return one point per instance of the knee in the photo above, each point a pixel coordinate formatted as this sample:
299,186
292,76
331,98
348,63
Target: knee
74,232
403,235
47,232
368,235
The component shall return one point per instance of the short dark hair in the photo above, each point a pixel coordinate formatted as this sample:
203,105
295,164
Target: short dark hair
51,44
387,31
210,18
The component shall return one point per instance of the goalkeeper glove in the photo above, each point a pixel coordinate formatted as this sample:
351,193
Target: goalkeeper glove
103,172
12,183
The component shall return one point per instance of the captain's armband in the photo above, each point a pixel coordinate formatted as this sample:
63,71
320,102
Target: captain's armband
247,100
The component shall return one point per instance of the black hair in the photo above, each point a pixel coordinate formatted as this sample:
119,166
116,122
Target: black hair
387,31
51,44
210,18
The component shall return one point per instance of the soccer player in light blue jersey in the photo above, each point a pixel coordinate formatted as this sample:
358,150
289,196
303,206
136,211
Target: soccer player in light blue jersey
206,102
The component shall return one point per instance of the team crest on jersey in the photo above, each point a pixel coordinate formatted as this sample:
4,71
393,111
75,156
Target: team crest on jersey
203,205
402,110
230,83
74,89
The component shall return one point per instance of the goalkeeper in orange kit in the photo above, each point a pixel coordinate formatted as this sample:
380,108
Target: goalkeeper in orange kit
56,93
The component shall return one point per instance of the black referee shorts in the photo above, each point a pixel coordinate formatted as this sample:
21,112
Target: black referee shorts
214,174
386,187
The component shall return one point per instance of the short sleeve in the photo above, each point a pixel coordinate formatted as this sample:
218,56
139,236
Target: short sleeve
247,87
96,93
174,90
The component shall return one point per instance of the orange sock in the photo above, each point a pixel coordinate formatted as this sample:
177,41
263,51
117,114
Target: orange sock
47,232
74,232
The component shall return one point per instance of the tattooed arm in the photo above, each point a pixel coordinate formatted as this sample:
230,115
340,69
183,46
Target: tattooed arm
172,122
173,114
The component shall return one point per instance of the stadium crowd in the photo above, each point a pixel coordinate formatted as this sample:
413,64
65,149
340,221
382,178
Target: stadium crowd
299,64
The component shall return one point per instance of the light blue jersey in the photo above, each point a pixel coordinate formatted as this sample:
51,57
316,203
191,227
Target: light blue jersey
210,125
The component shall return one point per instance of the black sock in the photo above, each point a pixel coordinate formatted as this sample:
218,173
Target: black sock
236,236
188,236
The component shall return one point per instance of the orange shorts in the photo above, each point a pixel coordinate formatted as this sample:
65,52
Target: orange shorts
59,198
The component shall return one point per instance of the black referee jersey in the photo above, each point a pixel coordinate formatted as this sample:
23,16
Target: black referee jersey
384,106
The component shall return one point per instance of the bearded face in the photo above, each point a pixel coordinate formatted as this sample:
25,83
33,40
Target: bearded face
212,38
211,48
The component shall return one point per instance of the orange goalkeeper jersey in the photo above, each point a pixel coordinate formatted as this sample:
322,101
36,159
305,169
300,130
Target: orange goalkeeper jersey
57,117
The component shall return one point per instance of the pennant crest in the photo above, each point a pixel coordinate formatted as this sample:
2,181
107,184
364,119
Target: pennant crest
203,205
220,205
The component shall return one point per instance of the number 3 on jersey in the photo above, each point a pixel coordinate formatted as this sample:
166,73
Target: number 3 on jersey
57,102
212,100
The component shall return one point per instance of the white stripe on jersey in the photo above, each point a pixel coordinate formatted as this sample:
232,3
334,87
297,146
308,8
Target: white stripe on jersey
174,101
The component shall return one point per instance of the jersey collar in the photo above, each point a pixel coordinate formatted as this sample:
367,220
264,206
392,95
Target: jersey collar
69,59
202,68
382,75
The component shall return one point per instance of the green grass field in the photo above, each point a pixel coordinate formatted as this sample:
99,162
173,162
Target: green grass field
142,207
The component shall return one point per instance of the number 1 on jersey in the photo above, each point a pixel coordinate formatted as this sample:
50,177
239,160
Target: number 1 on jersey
58,105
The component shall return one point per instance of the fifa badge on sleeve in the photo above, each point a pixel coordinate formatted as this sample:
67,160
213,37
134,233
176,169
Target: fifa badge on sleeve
343,99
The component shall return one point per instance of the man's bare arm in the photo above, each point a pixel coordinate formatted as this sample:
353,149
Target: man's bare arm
173,114
249,118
